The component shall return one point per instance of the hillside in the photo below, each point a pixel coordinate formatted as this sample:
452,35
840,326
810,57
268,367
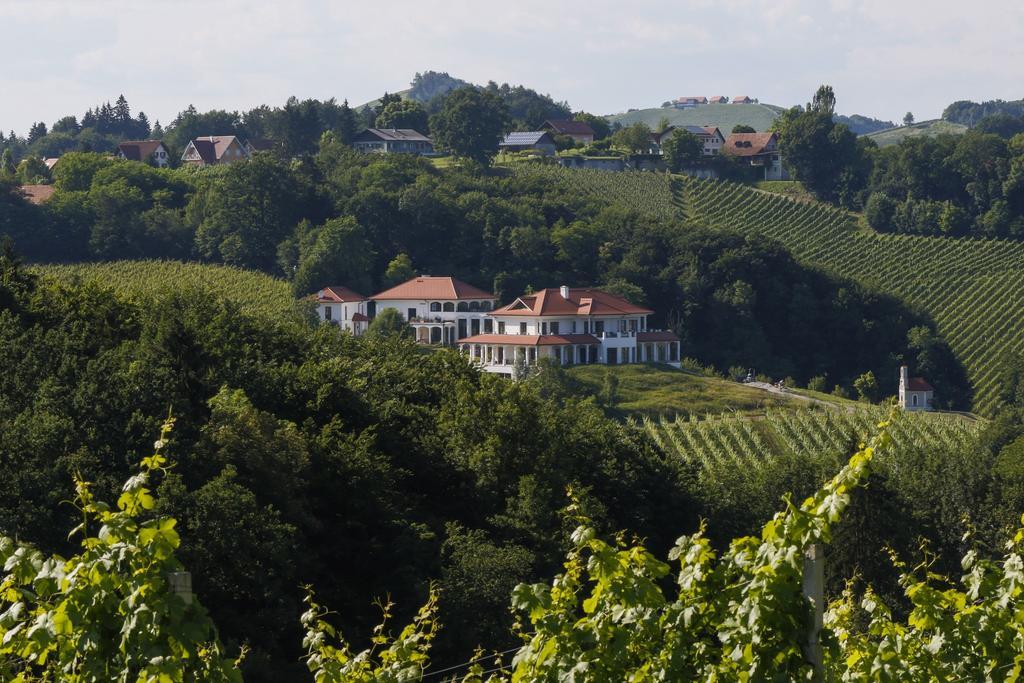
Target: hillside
140,280
893,136
655,391
972,289
725,116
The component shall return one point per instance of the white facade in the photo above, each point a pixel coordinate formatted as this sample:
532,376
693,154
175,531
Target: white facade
915,393
442,321
343,307
572,333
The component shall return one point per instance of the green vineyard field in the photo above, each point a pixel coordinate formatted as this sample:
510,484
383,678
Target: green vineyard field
147,280
972,288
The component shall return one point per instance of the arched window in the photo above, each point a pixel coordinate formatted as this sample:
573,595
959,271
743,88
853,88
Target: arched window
485,305
435,307
435,335
474,305
449,307
463,306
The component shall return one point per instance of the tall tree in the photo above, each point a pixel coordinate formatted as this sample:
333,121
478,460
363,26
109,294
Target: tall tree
681,148
403,114
908,119
470,124
824,100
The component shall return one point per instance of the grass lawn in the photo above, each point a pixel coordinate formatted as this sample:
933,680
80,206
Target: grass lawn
661,390
893,136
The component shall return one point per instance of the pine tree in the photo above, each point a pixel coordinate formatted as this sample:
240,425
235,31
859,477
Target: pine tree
142,127
346,124
122,112
37,131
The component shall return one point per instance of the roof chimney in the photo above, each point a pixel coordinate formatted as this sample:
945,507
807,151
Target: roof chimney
564,291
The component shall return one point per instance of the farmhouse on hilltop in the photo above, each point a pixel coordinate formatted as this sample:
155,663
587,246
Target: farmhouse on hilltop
211,150
743,99
144,151
391,140
580,131
718,99
689,101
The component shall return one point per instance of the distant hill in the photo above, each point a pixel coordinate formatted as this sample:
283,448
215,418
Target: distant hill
969,113
862,125
725,116
893,136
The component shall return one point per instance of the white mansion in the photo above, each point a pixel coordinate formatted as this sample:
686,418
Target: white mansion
569,325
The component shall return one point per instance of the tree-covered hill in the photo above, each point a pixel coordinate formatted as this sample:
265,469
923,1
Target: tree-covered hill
896,135
973,289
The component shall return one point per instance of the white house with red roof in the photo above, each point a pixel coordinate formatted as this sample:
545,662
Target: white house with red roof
441,310
572,326
915,392
343,307
758,149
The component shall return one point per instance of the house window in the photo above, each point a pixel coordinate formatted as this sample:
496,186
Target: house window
574,327
914,399
501,327
411,313
327,313
449,307
598,327
554,327
543,328
435,307
522,328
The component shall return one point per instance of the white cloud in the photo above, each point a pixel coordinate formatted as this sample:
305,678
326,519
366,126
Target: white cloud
882,57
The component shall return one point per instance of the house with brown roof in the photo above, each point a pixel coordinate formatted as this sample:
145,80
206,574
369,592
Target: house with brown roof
390,140
743,99
524,140
211,150
757,149
580,131
915,393
718,99
344,307
689,101
571,326
146,151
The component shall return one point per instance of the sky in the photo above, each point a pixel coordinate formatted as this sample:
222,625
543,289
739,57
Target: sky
882,57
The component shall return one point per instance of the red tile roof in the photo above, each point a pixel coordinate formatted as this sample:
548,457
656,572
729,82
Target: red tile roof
338,294
530,339
747,144
427,287
717,99
37,194
656,336
919,384
581,301
360,318
568,127
740,97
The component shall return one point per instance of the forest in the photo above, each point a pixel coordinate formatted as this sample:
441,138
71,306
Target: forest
368,468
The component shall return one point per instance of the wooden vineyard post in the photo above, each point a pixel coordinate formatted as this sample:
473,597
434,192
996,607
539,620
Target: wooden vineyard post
814,590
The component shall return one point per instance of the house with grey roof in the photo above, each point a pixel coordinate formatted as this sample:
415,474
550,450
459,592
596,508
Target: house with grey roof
391,140
519,141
